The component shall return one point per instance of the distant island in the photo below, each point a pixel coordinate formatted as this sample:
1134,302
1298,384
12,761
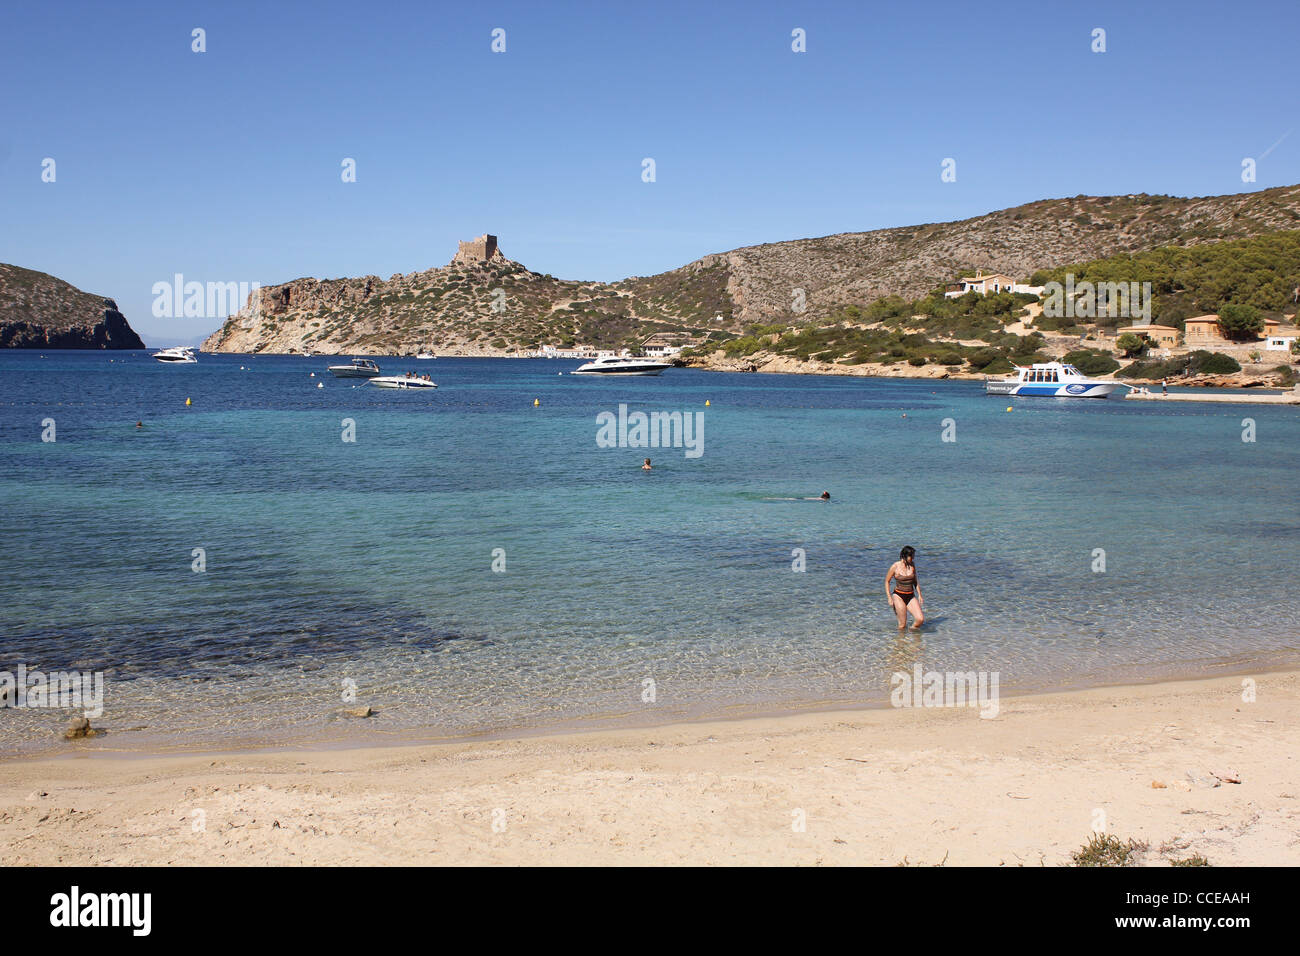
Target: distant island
39,311
779,306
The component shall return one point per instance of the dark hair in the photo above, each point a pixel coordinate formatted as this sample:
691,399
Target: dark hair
907,553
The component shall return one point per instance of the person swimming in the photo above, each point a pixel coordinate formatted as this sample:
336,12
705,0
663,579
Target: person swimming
647,466
905,597
825,496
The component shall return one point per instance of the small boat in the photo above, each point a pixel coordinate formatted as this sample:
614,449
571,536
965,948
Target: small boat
402,381
359,368
176,356
1052,380
615,365
425,356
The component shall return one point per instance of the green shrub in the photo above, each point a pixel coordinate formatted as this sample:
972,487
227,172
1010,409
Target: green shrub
999,366
1130,344
1241,321
1107,850
1199,362
1211,363
1091,361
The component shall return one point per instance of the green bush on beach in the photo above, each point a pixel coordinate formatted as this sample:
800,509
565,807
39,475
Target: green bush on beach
1105,849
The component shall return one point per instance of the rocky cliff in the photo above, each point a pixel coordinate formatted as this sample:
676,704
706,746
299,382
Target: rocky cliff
38,311
482,303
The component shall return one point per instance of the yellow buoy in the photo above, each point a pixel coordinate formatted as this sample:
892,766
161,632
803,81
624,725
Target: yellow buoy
1008,408
706,401
188,402
536,402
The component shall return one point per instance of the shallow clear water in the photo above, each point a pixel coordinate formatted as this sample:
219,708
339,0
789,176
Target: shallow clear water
371,561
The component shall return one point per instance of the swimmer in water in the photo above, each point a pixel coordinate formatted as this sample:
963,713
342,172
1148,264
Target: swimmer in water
906,594
647,466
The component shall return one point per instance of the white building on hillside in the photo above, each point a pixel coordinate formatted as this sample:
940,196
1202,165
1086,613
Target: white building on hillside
992,283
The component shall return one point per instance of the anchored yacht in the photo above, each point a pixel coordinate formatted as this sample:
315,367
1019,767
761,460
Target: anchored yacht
179,355
403,381
616,365
359,368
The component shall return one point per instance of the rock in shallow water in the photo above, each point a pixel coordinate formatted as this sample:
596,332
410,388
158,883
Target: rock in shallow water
78,729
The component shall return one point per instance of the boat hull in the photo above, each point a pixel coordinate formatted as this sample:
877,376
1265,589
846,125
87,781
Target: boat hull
347,371
1055,390
645,370
396,382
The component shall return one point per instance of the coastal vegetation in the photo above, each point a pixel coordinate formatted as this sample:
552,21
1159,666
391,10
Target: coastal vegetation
1199,362
848,342
974,332
1106,849
1240,280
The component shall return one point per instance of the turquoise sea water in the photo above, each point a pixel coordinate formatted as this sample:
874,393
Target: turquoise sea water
370,562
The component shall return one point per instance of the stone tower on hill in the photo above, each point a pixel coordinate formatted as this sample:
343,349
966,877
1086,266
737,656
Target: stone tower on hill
482,249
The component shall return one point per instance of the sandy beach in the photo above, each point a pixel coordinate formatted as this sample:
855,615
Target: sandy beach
1153,763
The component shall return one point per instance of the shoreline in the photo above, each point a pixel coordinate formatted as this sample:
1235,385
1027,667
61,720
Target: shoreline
766,363
372,735
884,786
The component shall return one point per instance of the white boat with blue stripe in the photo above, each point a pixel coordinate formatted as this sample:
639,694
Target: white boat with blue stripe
1052,380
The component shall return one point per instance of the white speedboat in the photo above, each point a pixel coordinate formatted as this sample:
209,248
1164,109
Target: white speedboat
402,381
426,356
616,365
358,368
1052,380
176,356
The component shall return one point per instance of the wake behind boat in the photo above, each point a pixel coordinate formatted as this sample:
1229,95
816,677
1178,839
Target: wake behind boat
1052,380
358,368
621,365
179,355
403,381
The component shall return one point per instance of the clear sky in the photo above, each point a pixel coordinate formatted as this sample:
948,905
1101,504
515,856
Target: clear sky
225,166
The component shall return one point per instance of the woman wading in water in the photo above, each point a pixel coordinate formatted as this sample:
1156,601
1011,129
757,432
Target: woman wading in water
905,595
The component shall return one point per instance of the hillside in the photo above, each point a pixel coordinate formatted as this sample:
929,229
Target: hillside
38,311
455,309
974,334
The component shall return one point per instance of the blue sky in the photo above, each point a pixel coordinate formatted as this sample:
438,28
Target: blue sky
225,165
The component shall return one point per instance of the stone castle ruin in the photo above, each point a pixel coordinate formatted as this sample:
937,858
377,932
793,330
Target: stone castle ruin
476,251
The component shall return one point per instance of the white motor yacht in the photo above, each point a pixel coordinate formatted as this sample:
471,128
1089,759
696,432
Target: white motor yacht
621,365
357,368
176,356
402,381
